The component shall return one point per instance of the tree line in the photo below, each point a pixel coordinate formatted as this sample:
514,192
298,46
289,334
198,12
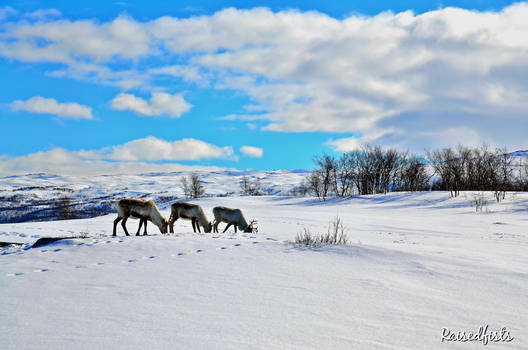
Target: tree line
373,170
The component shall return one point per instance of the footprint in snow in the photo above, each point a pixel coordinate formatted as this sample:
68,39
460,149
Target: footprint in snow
222,248
15,274
255,242
180,254
40,270
57,250
237,244
22,235
199,250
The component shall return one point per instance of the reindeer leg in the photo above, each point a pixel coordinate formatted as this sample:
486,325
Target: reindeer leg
139,227
145,232
197,225
171,223
172,220
124,226
116,221
235,228
215,226
226,228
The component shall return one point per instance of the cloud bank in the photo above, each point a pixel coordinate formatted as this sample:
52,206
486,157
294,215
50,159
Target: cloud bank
148,154
160,103
386,77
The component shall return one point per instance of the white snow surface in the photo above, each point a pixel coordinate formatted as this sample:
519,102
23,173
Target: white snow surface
416,262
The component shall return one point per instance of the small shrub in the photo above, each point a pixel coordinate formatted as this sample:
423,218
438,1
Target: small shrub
335,235
480,202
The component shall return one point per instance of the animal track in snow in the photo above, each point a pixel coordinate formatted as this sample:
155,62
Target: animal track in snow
40,270
15,274
132,260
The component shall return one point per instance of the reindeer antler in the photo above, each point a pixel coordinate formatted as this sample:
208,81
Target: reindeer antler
253,225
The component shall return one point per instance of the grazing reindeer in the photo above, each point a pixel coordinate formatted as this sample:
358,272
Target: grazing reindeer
232,217
192,212
141,210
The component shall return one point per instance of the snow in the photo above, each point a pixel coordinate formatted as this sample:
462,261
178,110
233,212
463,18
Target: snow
416,262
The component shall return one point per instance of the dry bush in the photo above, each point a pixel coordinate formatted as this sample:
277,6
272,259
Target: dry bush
336,234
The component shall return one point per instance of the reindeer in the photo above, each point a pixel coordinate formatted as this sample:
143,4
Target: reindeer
142,210
232,217
192,212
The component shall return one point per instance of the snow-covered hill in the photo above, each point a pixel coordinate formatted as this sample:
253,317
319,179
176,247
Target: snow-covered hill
416,263
42,197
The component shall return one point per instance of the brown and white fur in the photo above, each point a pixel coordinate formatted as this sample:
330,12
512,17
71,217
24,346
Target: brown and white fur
232,217
142,210
192,212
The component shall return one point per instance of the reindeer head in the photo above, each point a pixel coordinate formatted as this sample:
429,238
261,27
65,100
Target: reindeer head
253,226
208,228
164,225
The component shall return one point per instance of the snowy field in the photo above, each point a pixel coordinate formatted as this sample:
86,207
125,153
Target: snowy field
415,263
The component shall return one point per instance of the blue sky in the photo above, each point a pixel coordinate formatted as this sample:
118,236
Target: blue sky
125,86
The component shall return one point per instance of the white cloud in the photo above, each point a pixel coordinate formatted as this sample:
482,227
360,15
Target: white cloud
7,11
68,163
160,103
251,151
347,144
43,14
42,105
187,73
153,149
133,157
73,41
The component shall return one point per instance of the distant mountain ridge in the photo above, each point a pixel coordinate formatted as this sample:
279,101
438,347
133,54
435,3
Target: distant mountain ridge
519,154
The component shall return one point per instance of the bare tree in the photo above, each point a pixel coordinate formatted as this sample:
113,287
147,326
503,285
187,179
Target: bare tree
249,187
504,174
185,185
321,178
314,183
522,178
192,186
197,188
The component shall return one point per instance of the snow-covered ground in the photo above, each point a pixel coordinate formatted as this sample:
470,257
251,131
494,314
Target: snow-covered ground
415,263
